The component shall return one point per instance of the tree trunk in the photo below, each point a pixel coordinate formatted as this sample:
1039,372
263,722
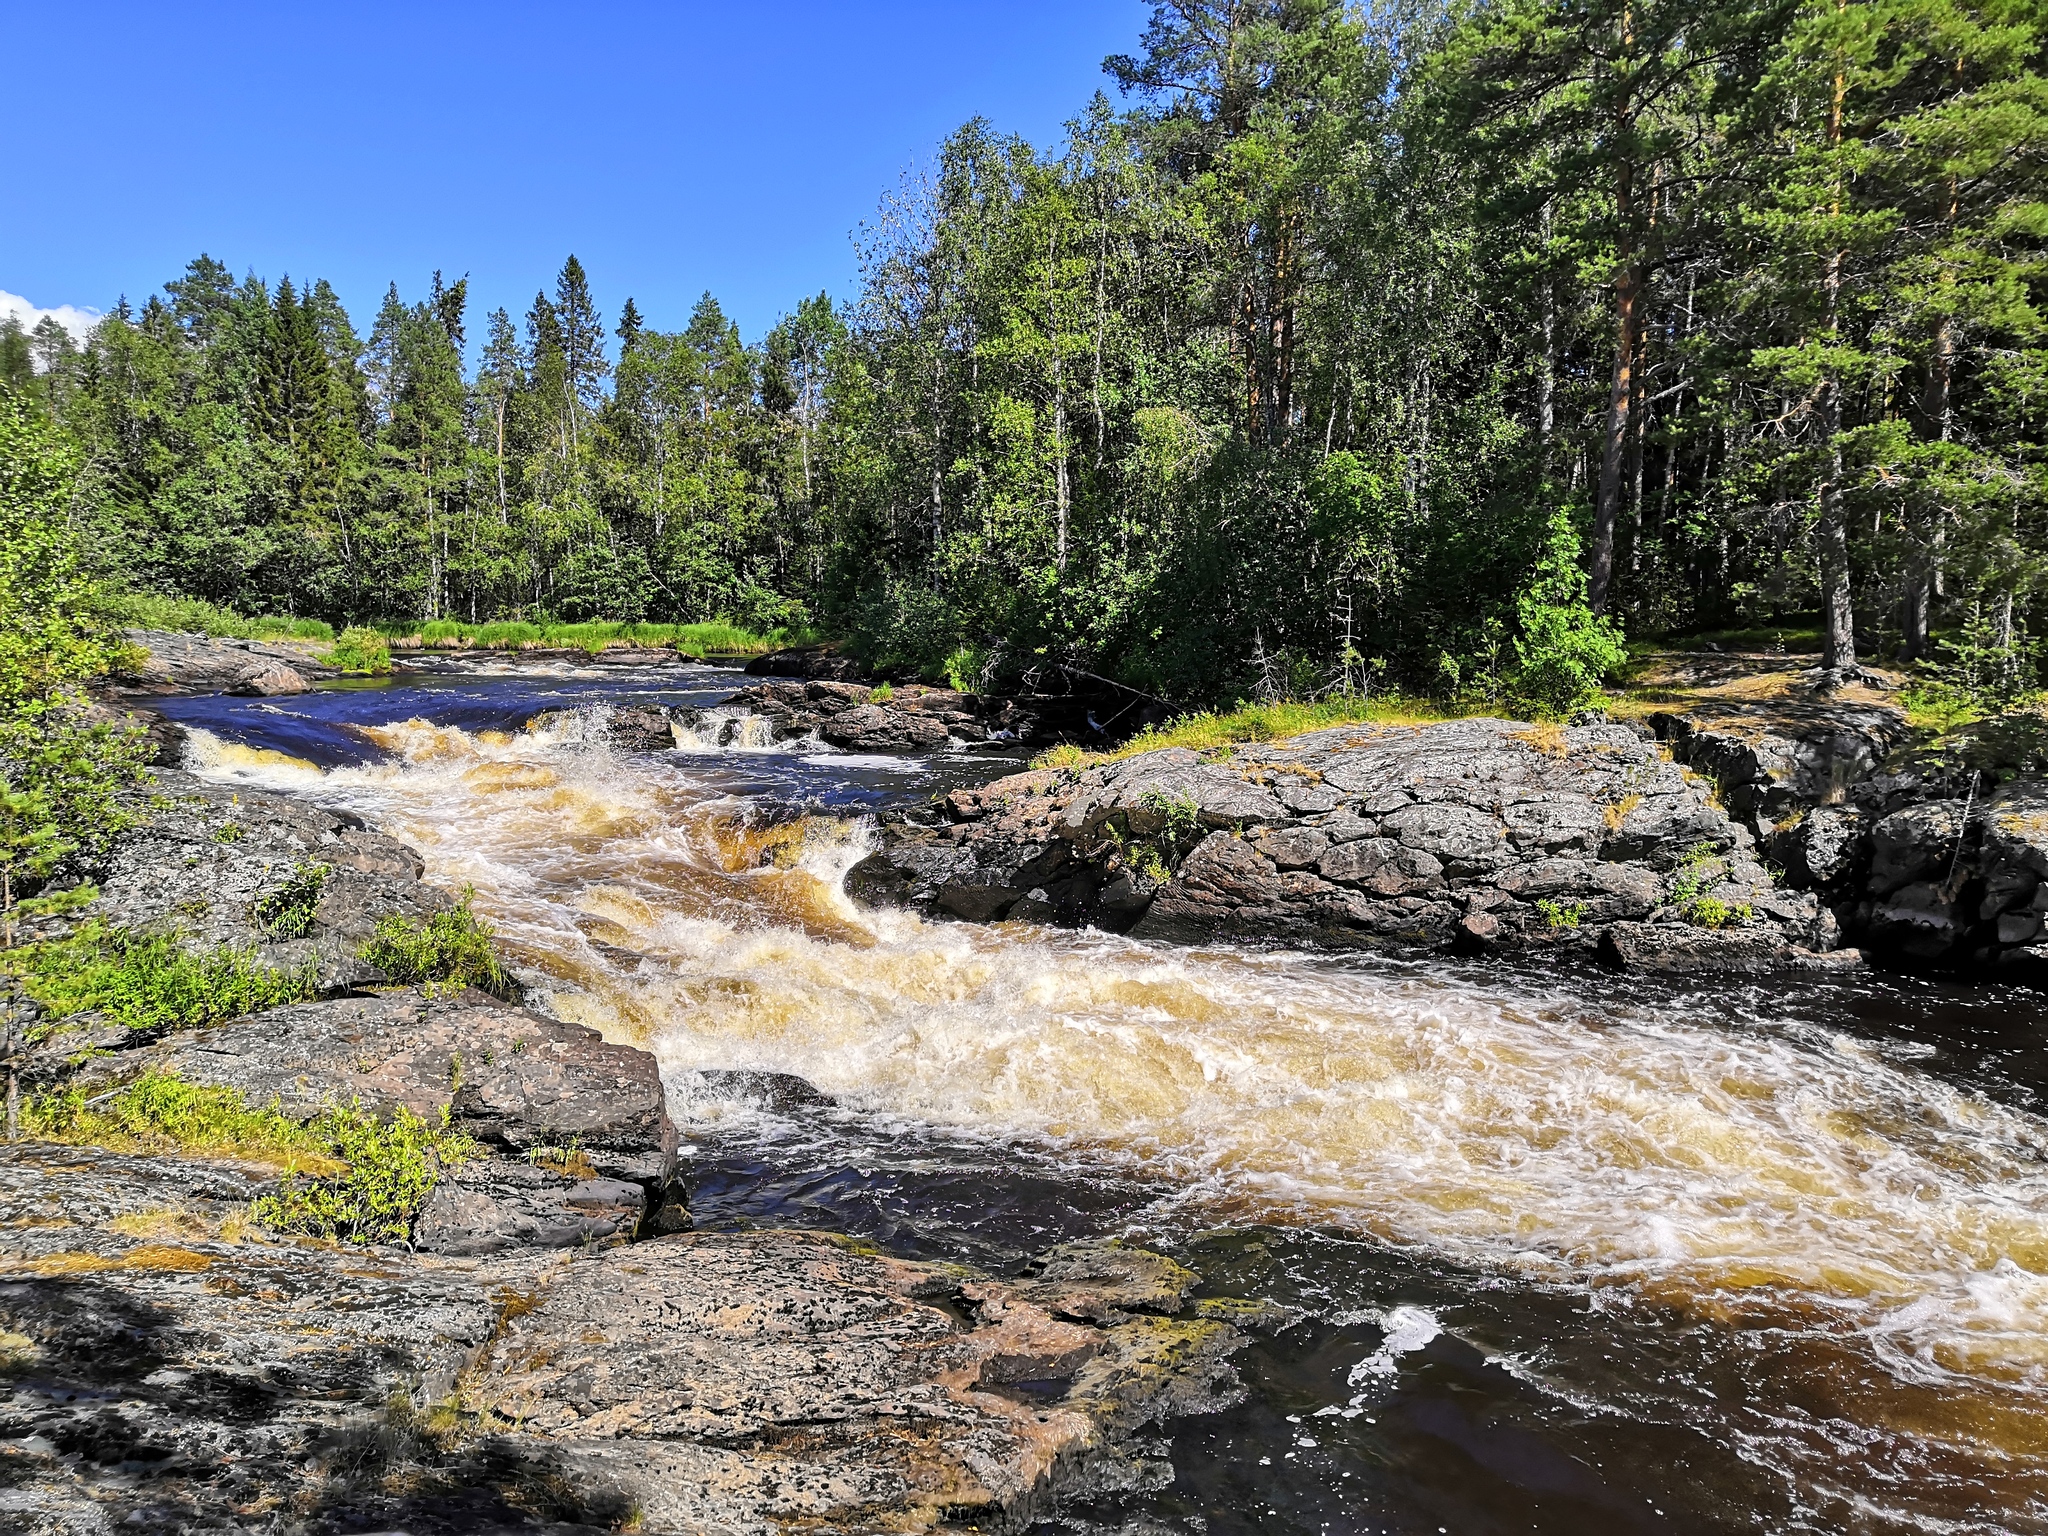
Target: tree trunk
1614,452
1546,376
1838,611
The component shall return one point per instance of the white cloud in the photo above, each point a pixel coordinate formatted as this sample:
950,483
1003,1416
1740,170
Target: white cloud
75,320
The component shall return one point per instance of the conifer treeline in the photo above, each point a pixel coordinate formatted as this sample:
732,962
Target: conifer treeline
1417,328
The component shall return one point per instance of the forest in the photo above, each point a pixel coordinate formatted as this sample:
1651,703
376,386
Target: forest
1422,345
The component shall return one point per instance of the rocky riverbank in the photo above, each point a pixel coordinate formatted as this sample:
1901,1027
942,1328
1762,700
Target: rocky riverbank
551,1347
1480,835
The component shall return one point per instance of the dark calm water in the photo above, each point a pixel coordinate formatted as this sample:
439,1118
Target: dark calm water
1567,1252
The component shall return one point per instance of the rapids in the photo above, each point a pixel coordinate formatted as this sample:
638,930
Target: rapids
1574,1252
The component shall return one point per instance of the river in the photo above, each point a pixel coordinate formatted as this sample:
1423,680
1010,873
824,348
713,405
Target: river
1571,1252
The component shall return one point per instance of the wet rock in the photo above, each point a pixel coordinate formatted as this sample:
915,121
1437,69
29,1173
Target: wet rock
511,1077
1680,947
857,718
1474,834
644,729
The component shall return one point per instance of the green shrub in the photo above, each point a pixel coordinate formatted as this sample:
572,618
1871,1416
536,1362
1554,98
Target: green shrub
361,651
391,1167
1561,914
451,949
148,981
287,912
881,694
61,772
1563,653
1699,869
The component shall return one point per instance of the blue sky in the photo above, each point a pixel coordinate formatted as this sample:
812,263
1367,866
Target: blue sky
673,148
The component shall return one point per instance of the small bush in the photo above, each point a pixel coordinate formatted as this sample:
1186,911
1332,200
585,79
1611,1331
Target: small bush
881,693
1698,870
287,912
452,949
1561,915
391,1166
362,652
1563,653
147,981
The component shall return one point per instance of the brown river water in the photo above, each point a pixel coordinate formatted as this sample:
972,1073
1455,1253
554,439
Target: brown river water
1571,1252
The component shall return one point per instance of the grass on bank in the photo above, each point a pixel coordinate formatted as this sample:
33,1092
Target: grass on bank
148,981
712,638
347,1174
1209,729
366,648
191,615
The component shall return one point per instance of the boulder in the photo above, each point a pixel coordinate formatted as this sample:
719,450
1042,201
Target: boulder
167,661
267,679
1486,834
203,857
514,1079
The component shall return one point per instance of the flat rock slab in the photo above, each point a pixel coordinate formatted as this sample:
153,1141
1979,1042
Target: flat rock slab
780,1381
511,1077
165,1370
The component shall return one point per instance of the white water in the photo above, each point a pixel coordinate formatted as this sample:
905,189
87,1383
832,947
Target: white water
1768,1177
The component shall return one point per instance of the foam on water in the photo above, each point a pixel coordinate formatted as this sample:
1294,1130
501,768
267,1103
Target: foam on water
1765,1176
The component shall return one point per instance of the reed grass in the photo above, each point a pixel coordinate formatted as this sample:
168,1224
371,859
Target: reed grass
1208,730
711,638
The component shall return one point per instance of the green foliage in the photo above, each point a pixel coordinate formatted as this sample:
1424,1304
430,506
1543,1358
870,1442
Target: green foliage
881,694
1701,867
1990,667
148,980
61,770
362,652
1563,652
716,638
452,949
1561,915
161,1111
287,911
391,1167
191,615
348,1175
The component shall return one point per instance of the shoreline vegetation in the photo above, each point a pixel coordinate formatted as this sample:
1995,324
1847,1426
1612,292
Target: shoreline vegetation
1440,350
716,637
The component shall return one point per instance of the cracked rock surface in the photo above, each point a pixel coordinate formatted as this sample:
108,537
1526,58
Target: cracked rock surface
164,1370
1486,835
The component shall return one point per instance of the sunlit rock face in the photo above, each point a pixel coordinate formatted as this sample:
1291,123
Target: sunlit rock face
1488,835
